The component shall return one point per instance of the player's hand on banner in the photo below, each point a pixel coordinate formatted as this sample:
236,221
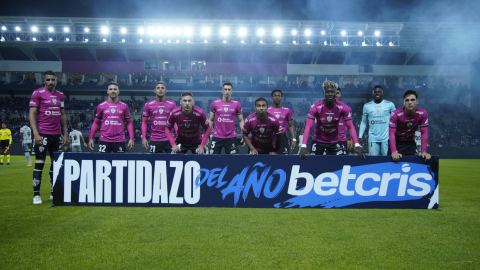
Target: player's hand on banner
303,152
293,145
200,150
253,152
90,144
358,151
273,153
426,156
175,149
397,156
130,145
145,143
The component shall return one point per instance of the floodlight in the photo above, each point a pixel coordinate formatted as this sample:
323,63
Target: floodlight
34,39
224,31
343,33
4,27
187,31
308,41
278,42
360,33
261,41
325,43
243,41
66,29
294,32
277,32
123,30
18,38
34,29
169,41
87,30
151,40
104,30
205,31
18,28
151,31
178,41
390,43
50,29
104,40
323,33
188,41
160,31
141,40
141,31
160,41
377,33
242,32
260,32
178,31
86,40
224,41
205,41
308,32
123,40
50,39
294,42
67,39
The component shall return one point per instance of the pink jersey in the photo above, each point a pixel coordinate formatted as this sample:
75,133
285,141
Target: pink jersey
328,119
225,115
342,130
188,125
112,116
49,110
407,125
158,113
283,114
262,132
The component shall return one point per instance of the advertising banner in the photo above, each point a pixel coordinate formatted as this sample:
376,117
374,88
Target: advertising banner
164,180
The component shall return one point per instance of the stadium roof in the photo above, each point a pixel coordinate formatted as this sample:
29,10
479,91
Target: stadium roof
410,38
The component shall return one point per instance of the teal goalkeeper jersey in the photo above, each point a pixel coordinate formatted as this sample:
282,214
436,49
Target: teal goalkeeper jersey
376,115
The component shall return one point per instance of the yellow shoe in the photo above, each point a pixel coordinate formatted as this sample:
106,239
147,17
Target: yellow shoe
29,164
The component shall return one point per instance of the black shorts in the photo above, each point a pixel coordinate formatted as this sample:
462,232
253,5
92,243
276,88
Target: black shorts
52,143
407,148
284,147
160,147
343,147
4,144
184,147
111,147
230,145
319,148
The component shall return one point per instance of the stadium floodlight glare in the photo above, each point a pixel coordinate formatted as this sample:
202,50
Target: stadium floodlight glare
260,32
294,42
18,28
242,32
141,30
34,39
151,31
86,40
104,40
364,44
34,29
308,41
67,39
261,41
343,33
205,41
178,31
2,39
178,41
18,39
160,31
360,33
224,31
151,40
277,32
188,40
4,28
325,43
345,43
141,40
104,30
308,32
66,29
224,41
294,32
160,41
123,40
169,31
378,44
243,41
86,30
169,41
278,42
390,43
50,29
323,33
205,31
187,31
377,33
50,39
123,30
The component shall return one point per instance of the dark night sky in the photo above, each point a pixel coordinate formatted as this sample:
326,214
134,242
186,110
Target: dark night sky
326,10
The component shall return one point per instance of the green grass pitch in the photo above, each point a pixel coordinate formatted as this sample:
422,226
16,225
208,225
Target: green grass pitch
39,237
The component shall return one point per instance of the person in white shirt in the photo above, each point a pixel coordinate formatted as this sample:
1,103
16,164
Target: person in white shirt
26,138
74,138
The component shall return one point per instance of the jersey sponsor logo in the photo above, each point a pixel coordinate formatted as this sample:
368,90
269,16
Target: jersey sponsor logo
48,112
107,122
219,119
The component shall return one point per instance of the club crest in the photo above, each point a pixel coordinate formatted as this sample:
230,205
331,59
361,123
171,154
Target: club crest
262,130
409,124
225,109
277,115
378,110
329,119
187,125
54,101
112,110
160,111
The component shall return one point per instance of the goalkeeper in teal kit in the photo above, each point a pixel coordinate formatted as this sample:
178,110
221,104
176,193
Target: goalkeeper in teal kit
376,114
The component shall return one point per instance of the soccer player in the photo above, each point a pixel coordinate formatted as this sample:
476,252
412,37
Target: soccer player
74,139
377,114
263,126
285,118
112,113
328,113
5,142
188,118
403,124
49,127
158,110
26,138
223,113
342,131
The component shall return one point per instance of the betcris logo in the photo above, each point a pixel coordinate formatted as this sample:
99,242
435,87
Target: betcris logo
370,183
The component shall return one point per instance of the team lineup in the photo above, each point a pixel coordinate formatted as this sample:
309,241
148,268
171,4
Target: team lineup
178,130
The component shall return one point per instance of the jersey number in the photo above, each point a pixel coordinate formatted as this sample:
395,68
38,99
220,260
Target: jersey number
152,148
101,148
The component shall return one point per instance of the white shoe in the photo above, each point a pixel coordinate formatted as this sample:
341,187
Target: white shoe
51,197
37,200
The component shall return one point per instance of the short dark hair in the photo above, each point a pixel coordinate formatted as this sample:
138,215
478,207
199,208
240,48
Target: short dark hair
276,90
160,82
410,92
377,86
113,83
227,83
74,127
260,99
49,72
186,94
338,89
